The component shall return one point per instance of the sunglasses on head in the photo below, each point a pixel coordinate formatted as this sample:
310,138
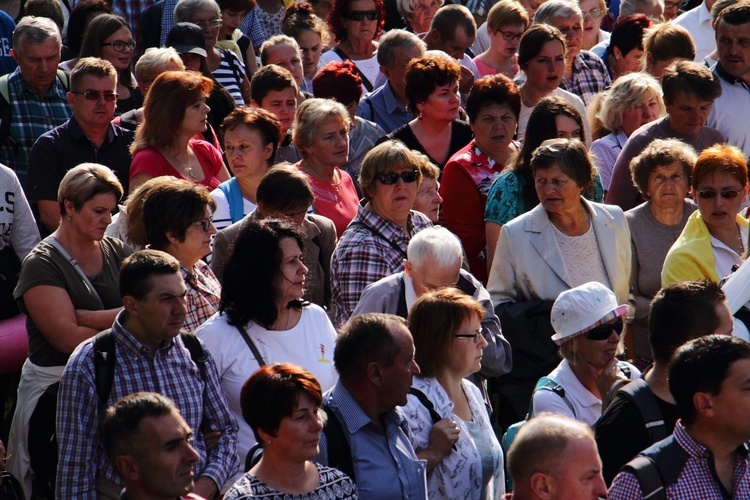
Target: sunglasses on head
359,15
728,194
603,332
393,177
93,95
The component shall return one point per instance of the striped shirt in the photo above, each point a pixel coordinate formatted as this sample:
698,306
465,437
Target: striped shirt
229,74
169,371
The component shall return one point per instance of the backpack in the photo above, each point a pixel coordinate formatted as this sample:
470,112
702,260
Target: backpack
658,467
5,108
105,357
644,400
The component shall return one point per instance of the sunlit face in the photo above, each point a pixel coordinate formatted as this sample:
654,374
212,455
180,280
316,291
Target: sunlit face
556,191
311,46
91,219
120,60
282,104
364,30
687,113
197,242
494,127
592,20
719,212
579,473
421,17
567,127
394,201
161,313
37,63
639,115
506,49
298,435
733,45
667,185
230,21
442,104
429,199
628,63
246,154
466,356
209,22
291,279
93,113
572,28
331,147
544,72
196,117
287,57
596,353
397,379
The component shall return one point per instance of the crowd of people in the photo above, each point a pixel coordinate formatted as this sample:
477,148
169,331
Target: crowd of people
375,249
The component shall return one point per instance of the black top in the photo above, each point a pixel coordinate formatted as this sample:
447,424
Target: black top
461,135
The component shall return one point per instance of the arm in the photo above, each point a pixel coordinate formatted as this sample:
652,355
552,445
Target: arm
220,254
49,214
502,283
462,209
138,179
492,233
223,173
496,358
245,87
60,324
328,242
24,234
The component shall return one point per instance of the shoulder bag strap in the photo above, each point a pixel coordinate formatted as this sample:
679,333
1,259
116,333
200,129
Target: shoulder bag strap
251,345
365,82
104,370
52,241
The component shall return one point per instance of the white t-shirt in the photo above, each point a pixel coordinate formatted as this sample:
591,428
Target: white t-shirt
222,215
309,344
370,67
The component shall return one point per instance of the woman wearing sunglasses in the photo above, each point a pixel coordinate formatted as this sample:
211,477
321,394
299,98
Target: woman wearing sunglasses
356,26
506,23
177,219
108,37
588,323
715,237
374,244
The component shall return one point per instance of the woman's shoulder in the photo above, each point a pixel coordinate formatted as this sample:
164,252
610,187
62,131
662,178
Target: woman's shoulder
313,312
115,248
329,475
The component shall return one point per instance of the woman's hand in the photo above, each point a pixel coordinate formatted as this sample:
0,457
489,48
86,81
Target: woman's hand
443,436
606,380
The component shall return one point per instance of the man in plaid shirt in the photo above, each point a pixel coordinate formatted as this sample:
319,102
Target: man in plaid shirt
707,456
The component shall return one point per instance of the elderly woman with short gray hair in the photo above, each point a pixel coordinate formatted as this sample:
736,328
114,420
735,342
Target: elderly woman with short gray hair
321,135
224,64
418,14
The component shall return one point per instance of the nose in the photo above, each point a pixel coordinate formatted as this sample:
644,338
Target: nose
415,367
317,422
438,198
180,306
303,268
482,342
211,228
601,487
191,454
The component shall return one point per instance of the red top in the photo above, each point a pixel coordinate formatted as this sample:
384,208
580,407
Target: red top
150,161
338,202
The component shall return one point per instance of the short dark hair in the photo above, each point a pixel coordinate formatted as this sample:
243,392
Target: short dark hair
139,268
702,365
282,384
364,339
689,78
100,68
121,427
269,78
681,312
424,74
172,209
284,188
493,89
249,291
50,9
259,120
735,15
450,17
79,17
628,34
236,5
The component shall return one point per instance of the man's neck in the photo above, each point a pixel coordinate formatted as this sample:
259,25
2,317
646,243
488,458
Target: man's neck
656,378
134,328
36,89
366,400
721,446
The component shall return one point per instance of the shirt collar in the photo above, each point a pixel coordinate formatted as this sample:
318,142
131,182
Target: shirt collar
732,80
52,91
354,416
76,132
410,295
697,450
129,342
390,99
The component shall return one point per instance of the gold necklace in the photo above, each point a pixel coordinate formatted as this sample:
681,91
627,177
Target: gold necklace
184,164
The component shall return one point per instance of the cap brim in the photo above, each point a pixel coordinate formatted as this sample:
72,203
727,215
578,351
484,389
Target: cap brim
190,49
619,311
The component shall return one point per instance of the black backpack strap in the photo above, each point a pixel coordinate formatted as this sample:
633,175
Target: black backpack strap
643,399
647,473
422,397
104,369
339,450
365,82
253,456
197,354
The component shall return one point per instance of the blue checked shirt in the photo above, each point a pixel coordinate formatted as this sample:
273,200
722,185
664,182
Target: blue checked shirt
169,371
590,77
697,478
31,116
385,463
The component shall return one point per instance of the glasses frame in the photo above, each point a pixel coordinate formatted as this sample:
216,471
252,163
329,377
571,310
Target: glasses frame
210,24
509,35
360,15
94,95
130,44
599,332
476,336
205,224
390,178
591,13
727,194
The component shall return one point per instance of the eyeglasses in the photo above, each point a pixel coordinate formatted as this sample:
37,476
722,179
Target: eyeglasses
393,177
509,35
205,224
593,13
359,15
476,336
672,5
729,194
120,46
94,95
602,332
213,23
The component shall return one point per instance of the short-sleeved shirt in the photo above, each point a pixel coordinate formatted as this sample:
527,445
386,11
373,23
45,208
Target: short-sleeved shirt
338,202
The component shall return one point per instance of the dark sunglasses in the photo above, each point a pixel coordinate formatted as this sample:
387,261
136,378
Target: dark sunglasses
359,15
602,332
729,194
205,224
120,46
393,177
94,95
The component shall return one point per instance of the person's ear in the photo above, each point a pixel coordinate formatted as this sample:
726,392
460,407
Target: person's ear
375,373
127,467
408,268
542,485
616,52
268,151
130,304
172,238
70,97
69,207
384,70
703,404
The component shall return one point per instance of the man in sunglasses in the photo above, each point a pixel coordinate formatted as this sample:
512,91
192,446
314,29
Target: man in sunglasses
679,313
88,137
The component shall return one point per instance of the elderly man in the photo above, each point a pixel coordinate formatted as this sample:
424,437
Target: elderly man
374,356
680,312
554,457
88,136
386,105
730,113
149,355
34,100
689,92
433,261
151,447
707,456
